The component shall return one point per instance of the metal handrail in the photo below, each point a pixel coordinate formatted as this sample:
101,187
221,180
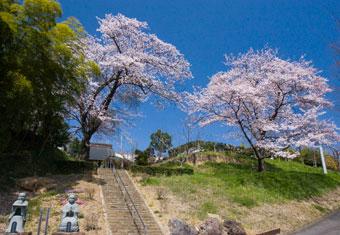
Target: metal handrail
126,192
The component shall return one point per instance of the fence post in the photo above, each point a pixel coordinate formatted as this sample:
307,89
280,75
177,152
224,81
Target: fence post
46,222
40,219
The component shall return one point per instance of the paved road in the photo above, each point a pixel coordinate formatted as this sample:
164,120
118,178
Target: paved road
328,226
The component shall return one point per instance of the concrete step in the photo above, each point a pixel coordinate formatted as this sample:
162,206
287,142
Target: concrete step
118,205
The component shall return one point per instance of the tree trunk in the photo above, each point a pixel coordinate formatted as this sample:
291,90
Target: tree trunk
336,155
260,166
301,158
314,159
85,147
159,155
195,158
260,159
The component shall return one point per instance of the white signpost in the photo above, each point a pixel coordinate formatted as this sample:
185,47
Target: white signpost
323,160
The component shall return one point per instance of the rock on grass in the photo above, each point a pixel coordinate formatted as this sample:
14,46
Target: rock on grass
179,227
231,227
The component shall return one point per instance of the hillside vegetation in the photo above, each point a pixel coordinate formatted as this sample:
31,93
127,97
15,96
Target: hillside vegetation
235,190
282,180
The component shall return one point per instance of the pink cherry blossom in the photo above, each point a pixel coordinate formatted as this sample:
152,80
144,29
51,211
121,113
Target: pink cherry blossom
133,64
276,103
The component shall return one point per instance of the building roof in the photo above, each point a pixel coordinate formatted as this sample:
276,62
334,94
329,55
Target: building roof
101,145
100,151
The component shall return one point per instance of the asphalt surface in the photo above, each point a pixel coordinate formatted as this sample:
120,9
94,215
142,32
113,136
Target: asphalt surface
330,225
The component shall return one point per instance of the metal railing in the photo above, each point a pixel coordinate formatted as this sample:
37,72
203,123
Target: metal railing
130,204
41,212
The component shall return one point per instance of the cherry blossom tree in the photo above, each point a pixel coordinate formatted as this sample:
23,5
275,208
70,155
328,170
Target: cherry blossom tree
275,103
130,65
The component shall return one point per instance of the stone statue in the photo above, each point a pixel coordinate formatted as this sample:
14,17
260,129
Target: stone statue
17,218
70,212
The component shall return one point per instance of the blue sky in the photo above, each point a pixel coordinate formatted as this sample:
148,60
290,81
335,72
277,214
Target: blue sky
205,30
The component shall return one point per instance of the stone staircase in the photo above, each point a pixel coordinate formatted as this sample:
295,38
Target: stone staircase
127,212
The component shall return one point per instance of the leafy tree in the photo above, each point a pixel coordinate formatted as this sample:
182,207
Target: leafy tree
75,147
160,141
141,158
204,145
310,156
41,66
275,103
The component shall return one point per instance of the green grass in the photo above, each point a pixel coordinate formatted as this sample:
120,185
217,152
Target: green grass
242,184
35,204
320,208
173,165
207,207
150,181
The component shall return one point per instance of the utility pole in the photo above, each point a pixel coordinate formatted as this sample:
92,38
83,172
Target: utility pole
121,143
121,151
323,160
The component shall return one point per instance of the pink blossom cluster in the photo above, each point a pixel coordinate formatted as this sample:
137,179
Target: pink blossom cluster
132,64
276,103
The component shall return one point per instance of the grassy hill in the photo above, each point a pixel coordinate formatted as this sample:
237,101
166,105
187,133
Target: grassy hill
236,190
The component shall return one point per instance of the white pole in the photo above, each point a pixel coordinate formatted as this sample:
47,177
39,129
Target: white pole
323,160
121,143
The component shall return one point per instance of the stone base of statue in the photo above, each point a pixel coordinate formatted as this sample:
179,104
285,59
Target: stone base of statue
69,223
66,233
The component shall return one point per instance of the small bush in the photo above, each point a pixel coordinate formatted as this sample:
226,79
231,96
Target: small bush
157,170
3,219
81,215
331,163
161,194
89,193
91,222
320,208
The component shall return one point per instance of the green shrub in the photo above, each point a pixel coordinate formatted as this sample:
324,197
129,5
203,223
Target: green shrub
331,163
174,164
52,161
150,181
204,145
309,156
158,170
142,157
69,167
